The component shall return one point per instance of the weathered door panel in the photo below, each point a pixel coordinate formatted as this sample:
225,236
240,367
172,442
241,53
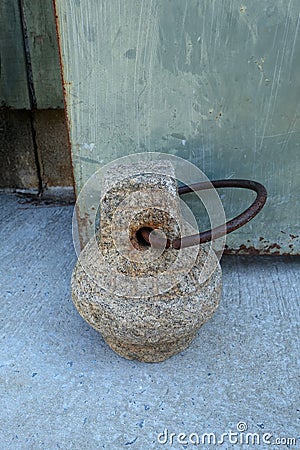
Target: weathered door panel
213,81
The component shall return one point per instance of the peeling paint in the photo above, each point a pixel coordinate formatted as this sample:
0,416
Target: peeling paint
89,146
268,249
130,54
251,250
178,136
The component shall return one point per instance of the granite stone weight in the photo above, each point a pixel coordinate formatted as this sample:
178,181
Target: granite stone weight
147,303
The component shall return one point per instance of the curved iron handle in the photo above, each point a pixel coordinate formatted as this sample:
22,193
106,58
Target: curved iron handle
221,230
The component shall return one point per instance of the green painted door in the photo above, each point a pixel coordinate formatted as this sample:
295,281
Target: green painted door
213,81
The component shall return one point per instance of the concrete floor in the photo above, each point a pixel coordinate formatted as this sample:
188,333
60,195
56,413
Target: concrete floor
62,387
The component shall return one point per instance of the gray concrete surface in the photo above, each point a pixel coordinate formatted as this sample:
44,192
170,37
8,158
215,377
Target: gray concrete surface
61,387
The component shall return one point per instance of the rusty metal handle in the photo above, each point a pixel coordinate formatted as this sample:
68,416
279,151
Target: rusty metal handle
221,230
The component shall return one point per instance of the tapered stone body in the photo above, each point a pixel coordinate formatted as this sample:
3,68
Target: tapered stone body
147,303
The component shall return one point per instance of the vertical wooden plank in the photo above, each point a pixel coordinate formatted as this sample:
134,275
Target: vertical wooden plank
13,78
42,42
214,82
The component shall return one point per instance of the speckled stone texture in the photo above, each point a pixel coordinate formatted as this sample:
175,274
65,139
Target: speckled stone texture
147,303
136,196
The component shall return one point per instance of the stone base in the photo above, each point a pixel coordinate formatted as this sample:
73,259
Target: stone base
153,327
150,353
